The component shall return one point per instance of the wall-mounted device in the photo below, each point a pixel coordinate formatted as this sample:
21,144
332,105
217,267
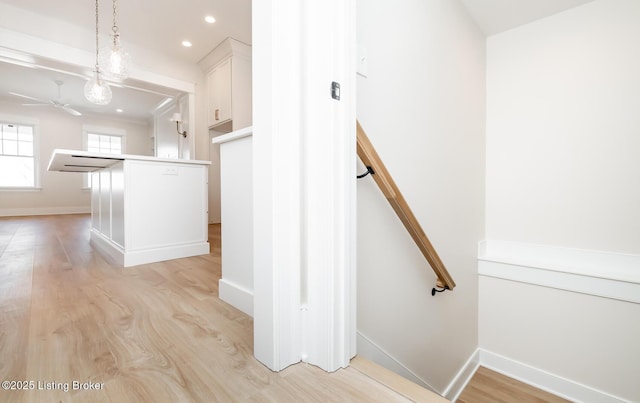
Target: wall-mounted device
177,117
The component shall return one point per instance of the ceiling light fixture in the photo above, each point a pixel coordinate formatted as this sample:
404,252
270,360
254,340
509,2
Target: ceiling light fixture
96,90
209,19
115,59
186,44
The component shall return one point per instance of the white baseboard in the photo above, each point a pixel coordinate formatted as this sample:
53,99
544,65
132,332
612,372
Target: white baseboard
105,247
536,377
29,211
544,380
236,296
138,257
371,351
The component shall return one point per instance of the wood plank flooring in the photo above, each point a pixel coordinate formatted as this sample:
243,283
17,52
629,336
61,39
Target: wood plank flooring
488,386
151,333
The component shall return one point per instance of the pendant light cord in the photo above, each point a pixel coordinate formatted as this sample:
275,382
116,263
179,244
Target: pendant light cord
115,25
97,66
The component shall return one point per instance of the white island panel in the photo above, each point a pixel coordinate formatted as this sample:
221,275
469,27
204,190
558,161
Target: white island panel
173,198
117,204
105,202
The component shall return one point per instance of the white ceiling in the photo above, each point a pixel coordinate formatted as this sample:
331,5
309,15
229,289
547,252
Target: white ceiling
159,25
495,16
162,25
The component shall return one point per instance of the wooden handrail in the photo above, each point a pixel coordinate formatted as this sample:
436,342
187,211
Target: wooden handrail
381,176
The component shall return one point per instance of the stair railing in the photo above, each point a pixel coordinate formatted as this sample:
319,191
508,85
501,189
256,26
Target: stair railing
381,176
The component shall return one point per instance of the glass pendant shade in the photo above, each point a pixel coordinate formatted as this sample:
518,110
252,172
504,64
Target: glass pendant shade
115,61
97,91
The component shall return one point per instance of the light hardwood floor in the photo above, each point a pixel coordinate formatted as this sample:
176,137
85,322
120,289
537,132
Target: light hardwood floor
151,333
156,332
488,386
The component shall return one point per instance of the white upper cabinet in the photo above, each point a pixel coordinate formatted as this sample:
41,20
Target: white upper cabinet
228,69
219,110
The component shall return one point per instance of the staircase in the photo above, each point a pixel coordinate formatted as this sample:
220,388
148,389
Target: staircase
395,382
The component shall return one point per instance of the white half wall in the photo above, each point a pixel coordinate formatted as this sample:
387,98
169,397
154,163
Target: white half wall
236,188
561,319
422,104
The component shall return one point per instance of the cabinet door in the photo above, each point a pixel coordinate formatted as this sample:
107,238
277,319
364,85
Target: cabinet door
219,83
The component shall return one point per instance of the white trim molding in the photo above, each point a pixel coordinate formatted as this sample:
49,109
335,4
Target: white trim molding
28,211
463,377
372,351
148,255
236,296
603,274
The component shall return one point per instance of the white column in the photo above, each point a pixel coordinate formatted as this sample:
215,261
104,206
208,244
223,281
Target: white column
277,126
304,182
329,183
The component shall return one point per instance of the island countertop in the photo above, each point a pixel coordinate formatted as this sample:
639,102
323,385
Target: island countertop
86,161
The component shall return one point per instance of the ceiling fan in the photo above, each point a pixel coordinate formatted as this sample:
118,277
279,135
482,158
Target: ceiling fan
56,103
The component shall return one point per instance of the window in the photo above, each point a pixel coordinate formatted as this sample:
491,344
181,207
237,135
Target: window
104,141
17,155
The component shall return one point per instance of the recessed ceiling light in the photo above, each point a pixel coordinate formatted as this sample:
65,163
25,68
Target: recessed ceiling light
186,44
119,110
209,19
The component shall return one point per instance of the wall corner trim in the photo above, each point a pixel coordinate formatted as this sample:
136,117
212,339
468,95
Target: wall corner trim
603,274
463,377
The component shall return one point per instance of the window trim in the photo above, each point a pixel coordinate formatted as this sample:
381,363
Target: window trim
21,120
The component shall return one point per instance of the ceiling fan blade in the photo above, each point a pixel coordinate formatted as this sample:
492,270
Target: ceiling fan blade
28,97
51,102
71,110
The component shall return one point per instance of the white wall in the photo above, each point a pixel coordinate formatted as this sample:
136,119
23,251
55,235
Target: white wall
562,129
423,107
563,170
61,191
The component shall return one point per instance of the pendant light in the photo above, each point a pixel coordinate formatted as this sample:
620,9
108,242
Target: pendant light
114,58
96,90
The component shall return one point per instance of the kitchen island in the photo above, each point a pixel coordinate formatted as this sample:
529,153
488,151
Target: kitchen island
143,209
